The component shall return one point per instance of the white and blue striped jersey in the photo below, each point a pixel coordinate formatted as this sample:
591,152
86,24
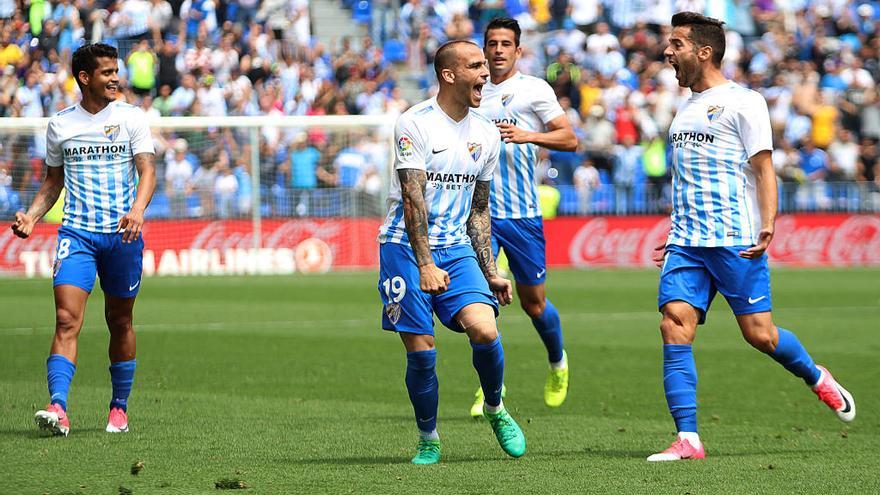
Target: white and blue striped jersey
713,135
97,154
454,155
528,103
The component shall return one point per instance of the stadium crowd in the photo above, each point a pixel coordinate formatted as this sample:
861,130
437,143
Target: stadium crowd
815,61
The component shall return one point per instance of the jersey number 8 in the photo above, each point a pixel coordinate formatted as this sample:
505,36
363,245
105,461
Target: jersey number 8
63,249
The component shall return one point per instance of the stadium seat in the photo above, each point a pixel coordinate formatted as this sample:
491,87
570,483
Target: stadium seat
395,50
362,12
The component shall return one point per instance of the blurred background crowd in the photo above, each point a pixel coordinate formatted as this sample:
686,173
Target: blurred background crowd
815,61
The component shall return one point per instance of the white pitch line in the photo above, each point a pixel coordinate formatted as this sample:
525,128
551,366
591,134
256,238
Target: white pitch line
374,322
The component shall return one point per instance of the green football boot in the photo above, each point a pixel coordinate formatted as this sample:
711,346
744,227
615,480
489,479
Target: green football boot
428,452
510,436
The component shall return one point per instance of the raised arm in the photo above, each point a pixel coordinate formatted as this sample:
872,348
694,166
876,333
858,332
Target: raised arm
46,197
479,229
432,279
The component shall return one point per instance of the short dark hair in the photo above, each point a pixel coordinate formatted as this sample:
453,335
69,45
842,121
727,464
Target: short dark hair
85,58
504,23
705,31
445,55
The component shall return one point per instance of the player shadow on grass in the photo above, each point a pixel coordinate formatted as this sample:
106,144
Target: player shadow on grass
401,459
30,432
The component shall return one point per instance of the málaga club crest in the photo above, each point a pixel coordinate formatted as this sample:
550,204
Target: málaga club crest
111,131
475,149
713,112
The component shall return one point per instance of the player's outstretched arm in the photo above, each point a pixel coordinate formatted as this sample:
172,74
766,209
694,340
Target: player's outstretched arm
479,229
133,222
559,135
432,279
46,197
765,188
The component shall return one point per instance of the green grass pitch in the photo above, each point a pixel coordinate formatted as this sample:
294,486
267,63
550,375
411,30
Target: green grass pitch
288,385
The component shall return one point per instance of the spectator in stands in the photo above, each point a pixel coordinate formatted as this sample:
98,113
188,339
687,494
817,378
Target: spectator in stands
130,19
627,172
304,159
814,164
599,138
868,164
183,97
824,122
142,65
844,157
869,115
586,180
178,173
202,181
161,14
198,14
225,188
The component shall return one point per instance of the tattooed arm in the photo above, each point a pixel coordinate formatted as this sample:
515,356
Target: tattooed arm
432,279
133,222
46,197
479,228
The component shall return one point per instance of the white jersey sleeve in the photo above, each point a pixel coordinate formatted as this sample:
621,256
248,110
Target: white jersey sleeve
754,125
409,151
54,153
139,133
545,104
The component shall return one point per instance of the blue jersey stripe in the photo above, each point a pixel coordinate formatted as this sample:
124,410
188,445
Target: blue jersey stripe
505,178
736,216
700,203
522,166
715,181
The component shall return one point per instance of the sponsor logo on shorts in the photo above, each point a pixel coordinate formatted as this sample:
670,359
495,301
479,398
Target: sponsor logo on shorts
135,286
56,268
753,301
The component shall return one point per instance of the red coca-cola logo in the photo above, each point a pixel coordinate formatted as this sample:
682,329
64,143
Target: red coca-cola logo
600,242
11,246
856,242
812,241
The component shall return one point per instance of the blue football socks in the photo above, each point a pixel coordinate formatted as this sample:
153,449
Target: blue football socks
421,383
680,385
550,330
59,373
488,360
792,355
121,377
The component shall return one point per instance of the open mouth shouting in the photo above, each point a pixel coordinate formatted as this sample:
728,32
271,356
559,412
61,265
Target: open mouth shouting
477,92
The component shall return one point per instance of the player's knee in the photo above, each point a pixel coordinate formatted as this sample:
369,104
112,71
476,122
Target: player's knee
118,322
67,323
676,328
482,332
762,339
533,308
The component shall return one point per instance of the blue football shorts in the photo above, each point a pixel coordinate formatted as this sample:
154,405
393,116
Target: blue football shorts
407,309
523,242
695,274
80,255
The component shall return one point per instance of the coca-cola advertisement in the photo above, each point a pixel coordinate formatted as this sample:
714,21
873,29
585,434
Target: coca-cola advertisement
800,240
230,247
